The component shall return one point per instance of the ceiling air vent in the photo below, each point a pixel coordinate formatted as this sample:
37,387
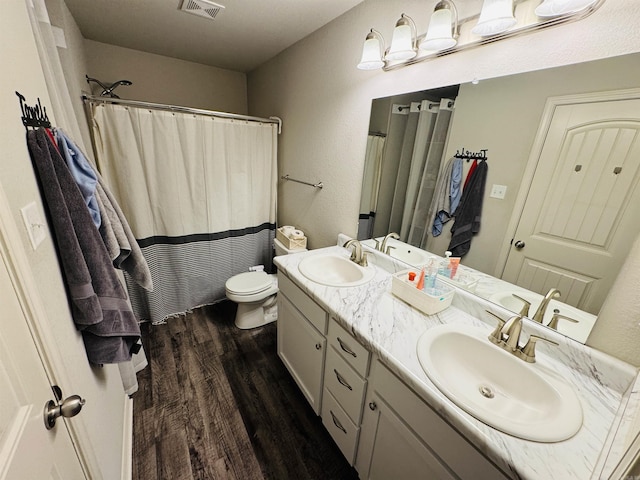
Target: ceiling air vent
202,8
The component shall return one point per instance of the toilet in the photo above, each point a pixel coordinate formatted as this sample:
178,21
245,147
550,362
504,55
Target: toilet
255,294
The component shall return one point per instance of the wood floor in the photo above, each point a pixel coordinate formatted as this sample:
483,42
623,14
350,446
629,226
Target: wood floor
216,402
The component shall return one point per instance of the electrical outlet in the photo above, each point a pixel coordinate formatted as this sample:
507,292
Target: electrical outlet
498,191
36,227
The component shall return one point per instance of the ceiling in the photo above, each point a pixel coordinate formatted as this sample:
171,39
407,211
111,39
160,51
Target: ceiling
242,36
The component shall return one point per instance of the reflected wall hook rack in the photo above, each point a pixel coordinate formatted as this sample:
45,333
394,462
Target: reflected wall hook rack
468,155
315,185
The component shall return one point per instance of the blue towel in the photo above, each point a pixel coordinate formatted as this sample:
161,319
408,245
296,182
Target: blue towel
82,173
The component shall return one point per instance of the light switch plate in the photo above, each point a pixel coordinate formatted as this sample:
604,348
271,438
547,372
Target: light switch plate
498,191
36,227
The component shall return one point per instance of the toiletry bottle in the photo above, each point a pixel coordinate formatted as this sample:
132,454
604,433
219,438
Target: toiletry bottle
444,265
432,271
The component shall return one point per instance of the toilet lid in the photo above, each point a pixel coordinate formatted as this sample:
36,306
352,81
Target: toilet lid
249,282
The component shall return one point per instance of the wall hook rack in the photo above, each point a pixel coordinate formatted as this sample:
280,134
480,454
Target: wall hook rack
33,116
315,185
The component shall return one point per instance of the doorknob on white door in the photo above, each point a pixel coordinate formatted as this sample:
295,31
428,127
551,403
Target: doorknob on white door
519,244
69,407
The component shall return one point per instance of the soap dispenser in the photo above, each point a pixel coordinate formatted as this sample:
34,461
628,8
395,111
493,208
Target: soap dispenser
444,269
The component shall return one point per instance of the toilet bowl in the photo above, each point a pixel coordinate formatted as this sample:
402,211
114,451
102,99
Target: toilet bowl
255,294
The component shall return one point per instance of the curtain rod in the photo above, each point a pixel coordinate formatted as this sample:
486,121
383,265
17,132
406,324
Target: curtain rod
175,108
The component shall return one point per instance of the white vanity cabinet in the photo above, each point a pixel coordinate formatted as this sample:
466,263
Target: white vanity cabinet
403,438
302,325
345,384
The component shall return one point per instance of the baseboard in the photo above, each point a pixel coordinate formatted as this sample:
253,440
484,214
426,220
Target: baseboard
127,441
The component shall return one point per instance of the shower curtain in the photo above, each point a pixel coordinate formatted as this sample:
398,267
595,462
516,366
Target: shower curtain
423,145
370,185
199,193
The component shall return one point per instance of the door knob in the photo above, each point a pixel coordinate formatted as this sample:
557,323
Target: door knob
69,407
519,244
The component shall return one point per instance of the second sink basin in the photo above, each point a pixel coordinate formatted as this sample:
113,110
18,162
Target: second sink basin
335,271
521,399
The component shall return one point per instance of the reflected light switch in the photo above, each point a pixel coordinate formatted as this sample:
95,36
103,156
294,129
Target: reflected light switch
36,227
498,191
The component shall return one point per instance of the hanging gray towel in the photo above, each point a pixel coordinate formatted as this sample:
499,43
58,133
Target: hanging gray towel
118,237
98,300
467,215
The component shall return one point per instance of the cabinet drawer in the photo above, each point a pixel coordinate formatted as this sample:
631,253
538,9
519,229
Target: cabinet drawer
348,347
341,428
310,309
345,385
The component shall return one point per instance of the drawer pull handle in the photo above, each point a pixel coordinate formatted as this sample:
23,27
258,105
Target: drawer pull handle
372,406
345,348
337,423
318,346
342,380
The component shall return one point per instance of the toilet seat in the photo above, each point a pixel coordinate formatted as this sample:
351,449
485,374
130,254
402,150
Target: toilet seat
249,283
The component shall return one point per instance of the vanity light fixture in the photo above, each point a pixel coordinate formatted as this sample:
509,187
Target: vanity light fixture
403,42
443,29
372,51
496,17
447,33
554,8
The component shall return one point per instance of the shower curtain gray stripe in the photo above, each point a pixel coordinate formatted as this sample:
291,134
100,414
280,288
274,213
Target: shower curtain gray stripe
189,276
199,193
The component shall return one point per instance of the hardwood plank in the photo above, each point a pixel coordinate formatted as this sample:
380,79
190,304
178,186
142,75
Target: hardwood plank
216,402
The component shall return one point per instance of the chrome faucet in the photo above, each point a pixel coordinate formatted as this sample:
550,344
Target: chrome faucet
512,330
357,255
542,308
507,336
383,247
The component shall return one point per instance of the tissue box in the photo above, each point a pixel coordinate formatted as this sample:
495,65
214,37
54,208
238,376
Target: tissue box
290,243
427,303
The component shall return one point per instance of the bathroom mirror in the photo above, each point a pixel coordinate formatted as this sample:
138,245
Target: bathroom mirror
508,117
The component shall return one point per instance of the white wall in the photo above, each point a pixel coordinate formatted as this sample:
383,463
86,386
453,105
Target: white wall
161,79
325,101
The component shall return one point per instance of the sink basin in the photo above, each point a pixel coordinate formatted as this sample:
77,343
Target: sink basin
402,251
578,331
522,399
335,271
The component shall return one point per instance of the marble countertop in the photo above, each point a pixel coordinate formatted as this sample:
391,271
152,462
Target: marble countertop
390,328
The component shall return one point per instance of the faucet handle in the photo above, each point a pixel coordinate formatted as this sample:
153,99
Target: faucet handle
557,316
529,350
496,335
389,247
363,261
377,244
524,311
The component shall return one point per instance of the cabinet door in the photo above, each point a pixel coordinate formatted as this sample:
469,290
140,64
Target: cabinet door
302,349
389,449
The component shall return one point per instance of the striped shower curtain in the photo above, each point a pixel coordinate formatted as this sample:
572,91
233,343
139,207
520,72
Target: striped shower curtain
199,193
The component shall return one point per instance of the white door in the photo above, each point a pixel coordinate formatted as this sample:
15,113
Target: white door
581,214
28,451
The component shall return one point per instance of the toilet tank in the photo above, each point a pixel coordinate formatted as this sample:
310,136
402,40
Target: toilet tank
282,250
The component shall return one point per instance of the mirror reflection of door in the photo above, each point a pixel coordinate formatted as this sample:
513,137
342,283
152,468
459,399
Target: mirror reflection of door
580,214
